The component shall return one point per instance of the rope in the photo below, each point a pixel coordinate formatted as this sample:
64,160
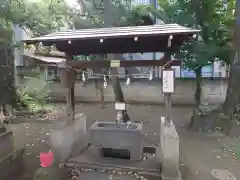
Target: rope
113,75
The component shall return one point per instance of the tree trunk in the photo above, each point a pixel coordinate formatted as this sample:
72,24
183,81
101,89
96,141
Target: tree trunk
7,83
233,93
109,19
198,91
99,82
119,97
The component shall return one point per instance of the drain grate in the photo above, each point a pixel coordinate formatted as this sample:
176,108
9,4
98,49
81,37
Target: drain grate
116,153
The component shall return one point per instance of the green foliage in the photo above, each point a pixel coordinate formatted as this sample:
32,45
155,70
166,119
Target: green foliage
137,16
215,21
40,17
213,18
34,93
197,54
124,14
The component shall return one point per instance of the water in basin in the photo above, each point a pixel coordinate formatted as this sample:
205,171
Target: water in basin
117,126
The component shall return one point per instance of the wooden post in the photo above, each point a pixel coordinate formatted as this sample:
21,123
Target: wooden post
168,95
168,106
101,85
70,88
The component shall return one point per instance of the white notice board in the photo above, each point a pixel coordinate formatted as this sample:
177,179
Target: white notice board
168,76
120,106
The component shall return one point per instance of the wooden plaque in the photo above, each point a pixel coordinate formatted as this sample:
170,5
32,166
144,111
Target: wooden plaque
115,63
120,106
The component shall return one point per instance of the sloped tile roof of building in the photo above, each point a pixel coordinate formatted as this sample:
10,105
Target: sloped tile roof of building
83,34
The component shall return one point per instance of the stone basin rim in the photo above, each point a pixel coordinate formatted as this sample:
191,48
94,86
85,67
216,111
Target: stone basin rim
109,125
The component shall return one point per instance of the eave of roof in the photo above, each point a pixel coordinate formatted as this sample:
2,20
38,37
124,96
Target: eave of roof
116,40
114,32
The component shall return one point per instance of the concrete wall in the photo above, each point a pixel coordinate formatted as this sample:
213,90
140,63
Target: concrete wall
149,92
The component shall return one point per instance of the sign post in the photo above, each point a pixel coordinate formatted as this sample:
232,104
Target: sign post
168,87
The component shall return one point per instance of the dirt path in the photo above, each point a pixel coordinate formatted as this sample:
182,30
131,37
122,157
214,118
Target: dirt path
32,135
195,148
202,154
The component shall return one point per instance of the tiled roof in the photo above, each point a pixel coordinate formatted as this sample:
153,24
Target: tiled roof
115,32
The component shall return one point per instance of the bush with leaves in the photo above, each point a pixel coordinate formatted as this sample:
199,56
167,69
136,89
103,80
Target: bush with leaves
34,93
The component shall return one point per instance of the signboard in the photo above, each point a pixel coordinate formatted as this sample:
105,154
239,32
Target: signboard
168,81
115,63
120,106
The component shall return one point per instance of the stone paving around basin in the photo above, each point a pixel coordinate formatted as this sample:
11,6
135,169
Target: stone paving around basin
103,176
90,174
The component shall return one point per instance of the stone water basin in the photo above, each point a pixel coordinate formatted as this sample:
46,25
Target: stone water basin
115,126
112,135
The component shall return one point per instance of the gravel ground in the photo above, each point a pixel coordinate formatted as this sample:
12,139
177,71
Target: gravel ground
32,133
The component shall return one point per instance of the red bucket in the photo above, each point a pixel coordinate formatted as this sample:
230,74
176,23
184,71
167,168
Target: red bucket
46,159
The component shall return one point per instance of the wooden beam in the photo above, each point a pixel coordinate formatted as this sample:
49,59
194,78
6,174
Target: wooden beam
124,63
70,77
167,96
